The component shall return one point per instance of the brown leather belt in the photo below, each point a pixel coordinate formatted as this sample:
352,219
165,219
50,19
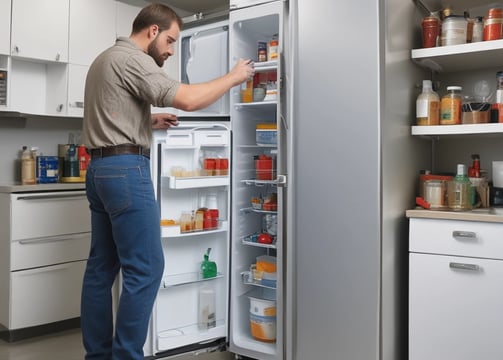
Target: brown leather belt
125,149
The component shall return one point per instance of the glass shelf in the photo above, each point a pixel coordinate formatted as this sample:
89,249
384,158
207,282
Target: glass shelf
247,278
185,279
248,240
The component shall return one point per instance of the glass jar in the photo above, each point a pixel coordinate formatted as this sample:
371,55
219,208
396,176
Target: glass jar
493,24
454,30
431,27
451,106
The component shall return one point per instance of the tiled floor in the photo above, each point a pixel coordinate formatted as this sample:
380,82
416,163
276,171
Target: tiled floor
66,345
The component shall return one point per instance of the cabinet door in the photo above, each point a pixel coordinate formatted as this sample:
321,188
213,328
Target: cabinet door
92,29
76,84
40,29
5,27
45,295
455,308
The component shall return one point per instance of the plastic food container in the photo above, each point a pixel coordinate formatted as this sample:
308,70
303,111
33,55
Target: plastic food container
266,263
267,134
263,319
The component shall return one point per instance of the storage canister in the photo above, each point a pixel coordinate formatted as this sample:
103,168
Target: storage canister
478,29
454,30
493,24
451,106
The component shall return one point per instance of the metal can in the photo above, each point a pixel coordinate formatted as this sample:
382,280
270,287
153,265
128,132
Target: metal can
493,24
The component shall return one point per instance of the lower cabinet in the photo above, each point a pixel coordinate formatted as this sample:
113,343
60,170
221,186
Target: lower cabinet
44,243
455,301
45,295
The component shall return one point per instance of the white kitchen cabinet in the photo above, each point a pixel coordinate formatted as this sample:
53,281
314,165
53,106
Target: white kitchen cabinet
44,243
92,29
455,272
76,85
5,6
39,29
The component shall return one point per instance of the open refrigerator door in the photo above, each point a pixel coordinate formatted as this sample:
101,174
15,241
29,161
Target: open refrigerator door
191,168
258,193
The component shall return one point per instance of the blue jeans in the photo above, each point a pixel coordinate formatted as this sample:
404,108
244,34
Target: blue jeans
126,237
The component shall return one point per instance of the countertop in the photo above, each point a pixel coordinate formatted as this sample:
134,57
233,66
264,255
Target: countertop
486,215
18,188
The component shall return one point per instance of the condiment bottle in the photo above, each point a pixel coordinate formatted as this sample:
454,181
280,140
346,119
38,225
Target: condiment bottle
431,28
493,24
28,176
497,108
427,106
459,190
474,170
478,29
208,268
451,106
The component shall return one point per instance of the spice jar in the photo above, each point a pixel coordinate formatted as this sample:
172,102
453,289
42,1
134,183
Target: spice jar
451,106
431,27
478,29
493,24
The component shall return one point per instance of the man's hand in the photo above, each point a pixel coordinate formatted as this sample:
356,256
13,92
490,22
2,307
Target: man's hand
163,120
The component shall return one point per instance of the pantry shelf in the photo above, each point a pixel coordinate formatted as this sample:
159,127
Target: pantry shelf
463,129
453,58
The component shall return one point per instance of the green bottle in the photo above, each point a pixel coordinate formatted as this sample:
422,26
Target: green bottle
208,268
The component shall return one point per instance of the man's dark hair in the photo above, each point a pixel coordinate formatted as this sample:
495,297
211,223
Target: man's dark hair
156,14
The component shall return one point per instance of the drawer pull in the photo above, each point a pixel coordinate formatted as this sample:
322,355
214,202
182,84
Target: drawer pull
464,235
51,197
50,239
461,266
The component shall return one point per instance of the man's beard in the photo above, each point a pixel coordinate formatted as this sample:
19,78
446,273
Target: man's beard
155,54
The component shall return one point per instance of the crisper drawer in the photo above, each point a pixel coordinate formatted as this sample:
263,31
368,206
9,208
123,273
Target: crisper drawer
44,295
453,237
36,252
455,308
37,215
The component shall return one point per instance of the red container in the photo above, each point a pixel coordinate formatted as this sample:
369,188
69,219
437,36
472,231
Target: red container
431,31
493,24
210,219
264,167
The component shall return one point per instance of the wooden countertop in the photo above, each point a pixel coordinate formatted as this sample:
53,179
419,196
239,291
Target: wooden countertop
487,215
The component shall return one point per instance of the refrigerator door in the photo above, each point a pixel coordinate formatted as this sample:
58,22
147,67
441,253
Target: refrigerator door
191,170
258,196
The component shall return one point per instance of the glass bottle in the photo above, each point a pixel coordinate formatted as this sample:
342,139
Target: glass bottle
427,105
451,106
459,190
27,167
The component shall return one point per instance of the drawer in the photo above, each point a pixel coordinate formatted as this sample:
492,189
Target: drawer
454,237
212,138
179,138
36,252
45,295
455,308
38,215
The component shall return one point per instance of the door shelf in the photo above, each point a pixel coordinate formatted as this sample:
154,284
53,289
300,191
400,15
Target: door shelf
197,182
174,231
248,279
185,279
248,240
251,209
190,334
260,182
262,104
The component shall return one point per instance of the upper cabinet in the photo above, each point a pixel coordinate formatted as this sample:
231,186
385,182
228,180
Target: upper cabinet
4,27
39,29
92,29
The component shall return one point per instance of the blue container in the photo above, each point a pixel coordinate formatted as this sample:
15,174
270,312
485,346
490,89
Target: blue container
47,169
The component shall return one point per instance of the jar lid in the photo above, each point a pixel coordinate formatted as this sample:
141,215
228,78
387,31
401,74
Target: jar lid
454,88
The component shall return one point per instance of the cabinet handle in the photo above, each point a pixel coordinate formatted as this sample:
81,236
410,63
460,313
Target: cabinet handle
50,239
464,235
58,56
16,49
77,104
51,197
461,266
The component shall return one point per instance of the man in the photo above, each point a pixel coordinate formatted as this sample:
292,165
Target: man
122,84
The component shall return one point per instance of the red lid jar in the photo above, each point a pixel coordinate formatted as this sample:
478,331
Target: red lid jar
493,24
